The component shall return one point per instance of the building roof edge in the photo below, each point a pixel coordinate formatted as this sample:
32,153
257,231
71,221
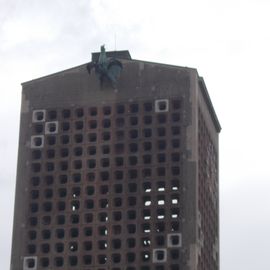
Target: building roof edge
209,104
125,59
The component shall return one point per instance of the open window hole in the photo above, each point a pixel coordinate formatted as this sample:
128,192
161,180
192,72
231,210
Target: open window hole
79,112
176,104
106,136
175,254
36,154
38,128
176,117
46,234
132,187
52,115
37,141
161,105
38,116
160,240
75,205
33,221
147,201
117,229
63,165
161,118
103,217
133,147
49,180
176,130
66,113
133,121
175,213
88,231
64,139
133,174
131,214
104,189
160,214
134,108
146,228
91,176
148,107
146,214
161,186
147,132
79,125
159,255
117,216
60,233
29,263
93,111
107,110
87,259
161,200
131,228
45,248
146,242
35,167
60,220
59,247
120,108
105,162
104,175
133,134
119,161
106,123
73,260
90,190
51,127
119,148
102,259
51,140
88,218
65,126
78,138
89,204
77,164
131,257
174,240
145,256
160,227
147,187
116,243
147,146
74,232
106,149
87,245
120,122
103,231
93,124
131,242
132,201
73,246
91,150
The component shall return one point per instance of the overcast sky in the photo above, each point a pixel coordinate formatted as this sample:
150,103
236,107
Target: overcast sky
228,41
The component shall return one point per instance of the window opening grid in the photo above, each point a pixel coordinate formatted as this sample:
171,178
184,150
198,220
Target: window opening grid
76,121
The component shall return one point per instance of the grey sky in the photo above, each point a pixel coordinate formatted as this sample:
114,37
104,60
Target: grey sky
227,41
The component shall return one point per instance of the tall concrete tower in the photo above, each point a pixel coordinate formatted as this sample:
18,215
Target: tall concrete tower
117,176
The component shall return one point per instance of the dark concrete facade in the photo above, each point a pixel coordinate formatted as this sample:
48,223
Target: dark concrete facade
119,179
